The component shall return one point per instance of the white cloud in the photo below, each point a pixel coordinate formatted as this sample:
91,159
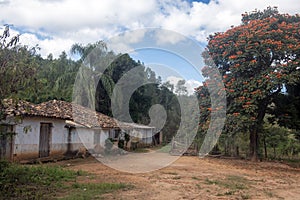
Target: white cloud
174,80
64,22
170,38
122,43
54,46
190,84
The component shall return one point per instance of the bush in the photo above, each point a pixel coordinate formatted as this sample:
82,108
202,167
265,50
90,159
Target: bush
121,144
108,145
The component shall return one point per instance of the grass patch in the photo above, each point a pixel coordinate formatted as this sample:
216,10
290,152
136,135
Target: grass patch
83,173
176,177
171,173
269,194
292,162
165,149
48,182
230,192
231,182
141,150
195,178
82,191
245,196
212,182
32,182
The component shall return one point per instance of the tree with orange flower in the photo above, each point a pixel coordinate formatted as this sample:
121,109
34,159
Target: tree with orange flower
255,60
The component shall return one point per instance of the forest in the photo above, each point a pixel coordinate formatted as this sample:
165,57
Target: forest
258,61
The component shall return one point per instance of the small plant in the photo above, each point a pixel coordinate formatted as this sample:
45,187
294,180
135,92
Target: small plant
171,173
127,138
269,194
195,178
211,182
108,145
3,164
230,192
245,196
176,177
121,144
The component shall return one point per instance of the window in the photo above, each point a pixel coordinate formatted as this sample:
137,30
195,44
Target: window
114,133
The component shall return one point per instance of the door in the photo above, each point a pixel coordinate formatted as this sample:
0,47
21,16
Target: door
6,141
45,135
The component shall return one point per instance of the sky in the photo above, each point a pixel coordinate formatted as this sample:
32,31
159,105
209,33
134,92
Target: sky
57,24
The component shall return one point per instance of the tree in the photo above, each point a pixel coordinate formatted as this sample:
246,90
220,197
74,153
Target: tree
255,59
17,67
181,88
286,109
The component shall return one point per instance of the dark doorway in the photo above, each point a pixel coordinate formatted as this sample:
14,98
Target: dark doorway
45,135
6,141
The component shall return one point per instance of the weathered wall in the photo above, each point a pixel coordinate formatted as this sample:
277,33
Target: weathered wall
146,136
88,137
28,134
26,141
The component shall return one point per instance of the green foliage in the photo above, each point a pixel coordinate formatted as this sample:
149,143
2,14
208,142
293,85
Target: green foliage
18,67
54,80
127,137
121,144
280,142
286,109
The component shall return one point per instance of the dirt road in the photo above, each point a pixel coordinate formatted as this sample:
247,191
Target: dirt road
195,178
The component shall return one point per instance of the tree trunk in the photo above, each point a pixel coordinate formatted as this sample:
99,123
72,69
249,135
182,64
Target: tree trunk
237,151
254,132
254,145
265,147
226,146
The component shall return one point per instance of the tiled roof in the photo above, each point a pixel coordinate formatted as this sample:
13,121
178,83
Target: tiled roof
62,110
16,108
135,126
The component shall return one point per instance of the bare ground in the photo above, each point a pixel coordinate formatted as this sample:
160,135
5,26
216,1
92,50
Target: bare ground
196,178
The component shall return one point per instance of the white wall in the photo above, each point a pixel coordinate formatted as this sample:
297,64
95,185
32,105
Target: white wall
84,137
27,142
147,135
87,137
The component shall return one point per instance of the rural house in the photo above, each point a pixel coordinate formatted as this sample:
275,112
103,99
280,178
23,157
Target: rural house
141,135
50,129
56,128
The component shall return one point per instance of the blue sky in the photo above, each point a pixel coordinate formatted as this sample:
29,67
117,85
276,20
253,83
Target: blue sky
156,59
57,24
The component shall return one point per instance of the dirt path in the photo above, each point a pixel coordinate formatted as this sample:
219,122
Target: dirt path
194,178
